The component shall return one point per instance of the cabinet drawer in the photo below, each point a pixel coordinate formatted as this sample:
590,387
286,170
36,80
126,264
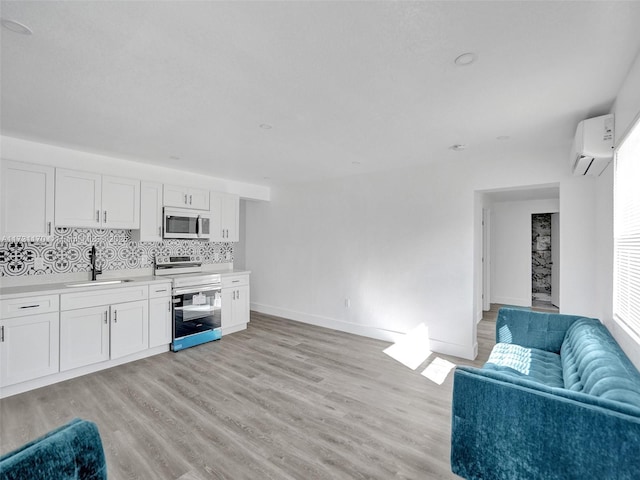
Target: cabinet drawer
98,296
235,280
159,290
21,307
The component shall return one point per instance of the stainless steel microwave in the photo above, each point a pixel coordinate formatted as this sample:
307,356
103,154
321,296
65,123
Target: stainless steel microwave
189,224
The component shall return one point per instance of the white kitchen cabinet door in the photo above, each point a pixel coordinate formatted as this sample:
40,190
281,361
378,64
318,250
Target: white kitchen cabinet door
150,213
235,309
175,196
84,337
198,199
225,220
129,328
184,197
27,196
28,348
160,331
120,203
78,199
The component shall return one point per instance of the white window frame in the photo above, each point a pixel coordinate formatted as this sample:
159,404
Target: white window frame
626,231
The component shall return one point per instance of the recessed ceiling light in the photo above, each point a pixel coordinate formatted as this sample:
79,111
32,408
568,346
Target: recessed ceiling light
266,178
466,59
503,137
174,157
355,162
16,27
265,126
457,147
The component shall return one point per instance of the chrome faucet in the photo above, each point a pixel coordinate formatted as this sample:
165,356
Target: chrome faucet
94,271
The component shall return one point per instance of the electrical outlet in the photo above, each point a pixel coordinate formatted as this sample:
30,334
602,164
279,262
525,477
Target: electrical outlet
347,303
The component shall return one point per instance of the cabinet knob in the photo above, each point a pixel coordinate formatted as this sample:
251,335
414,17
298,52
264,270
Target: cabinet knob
2,333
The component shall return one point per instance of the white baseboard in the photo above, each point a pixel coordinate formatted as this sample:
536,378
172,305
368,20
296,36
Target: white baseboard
462,351
517,302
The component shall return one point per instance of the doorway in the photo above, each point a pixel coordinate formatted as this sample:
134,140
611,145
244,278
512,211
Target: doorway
544,261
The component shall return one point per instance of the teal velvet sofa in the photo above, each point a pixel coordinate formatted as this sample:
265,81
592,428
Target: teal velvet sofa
71,452
557,399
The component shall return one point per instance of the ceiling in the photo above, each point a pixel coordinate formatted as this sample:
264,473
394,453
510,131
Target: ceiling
346,87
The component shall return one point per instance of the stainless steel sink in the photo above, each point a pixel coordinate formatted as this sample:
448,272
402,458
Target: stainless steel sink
98,283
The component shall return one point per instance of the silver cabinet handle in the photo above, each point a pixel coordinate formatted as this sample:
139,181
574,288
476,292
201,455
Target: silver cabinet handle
98,216
30,306
190,199
115,316
159,231
169,306
104,218
234,294
48,228
106,314
238,297
2,333
185,198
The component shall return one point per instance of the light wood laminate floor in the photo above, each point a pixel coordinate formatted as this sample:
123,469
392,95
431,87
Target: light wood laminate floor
280,400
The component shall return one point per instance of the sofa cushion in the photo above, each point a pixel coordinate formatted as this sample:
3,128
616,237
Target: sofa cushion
71,452
529,363
593,363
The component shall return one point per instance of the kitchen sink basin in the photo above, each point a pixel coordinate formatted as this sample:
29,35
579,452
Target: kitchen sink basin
97,283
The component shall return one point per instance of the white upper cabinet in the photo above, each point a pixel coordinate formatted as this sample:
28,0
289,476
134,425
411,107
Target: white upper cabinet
78,198
27,196
91,200
120,202
150,213
185,197
225,217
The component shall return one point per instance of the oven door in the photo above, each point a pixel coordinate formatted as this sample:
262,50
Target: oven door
196,310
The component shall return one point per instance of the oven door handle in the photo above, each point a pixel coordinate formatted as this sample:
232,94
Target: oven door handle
182,291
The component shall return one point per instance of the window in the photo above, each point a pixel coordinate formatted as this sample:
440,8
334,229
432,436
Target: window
626,231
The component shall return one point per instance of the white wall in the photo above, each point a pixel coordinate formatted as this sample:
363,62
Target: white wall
402,245
626,110
44,154
511,249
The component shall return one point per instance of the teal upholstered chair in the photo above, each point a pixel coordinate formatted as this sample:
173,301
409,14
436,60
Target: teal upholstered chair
70,452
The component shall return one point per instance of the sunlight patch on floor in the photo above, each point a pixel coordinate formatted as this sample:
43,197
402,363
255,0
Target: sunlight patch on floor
438,370
412,349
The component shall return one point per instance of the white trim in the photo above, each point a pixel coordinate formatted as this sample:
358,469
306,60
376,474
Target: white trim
462,351
517,302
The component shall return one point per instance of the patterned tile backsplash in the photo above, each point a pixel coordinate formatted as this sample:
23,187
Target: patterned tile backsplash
69,252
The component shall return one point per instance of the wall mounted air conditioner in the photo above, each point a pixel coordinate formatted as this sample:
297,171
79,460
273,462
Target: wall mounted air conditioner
592,146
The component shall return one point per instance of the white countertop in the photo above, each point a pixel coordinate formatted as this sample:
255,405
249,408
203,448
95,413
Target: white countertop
57,287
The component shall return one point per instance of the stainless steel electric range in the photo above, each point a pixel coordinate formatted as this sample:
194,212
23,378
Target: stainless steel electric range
196,300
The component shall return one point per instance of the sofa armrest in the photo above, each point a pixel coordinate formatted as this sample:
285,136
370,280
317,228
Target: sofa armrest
501,429
71,452
544,331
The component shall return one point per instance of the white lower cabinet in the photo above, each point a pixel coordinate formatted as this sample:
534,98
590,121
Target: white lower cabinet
28,347
84,337
99,325
96,334
235,303
160,331
129,328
